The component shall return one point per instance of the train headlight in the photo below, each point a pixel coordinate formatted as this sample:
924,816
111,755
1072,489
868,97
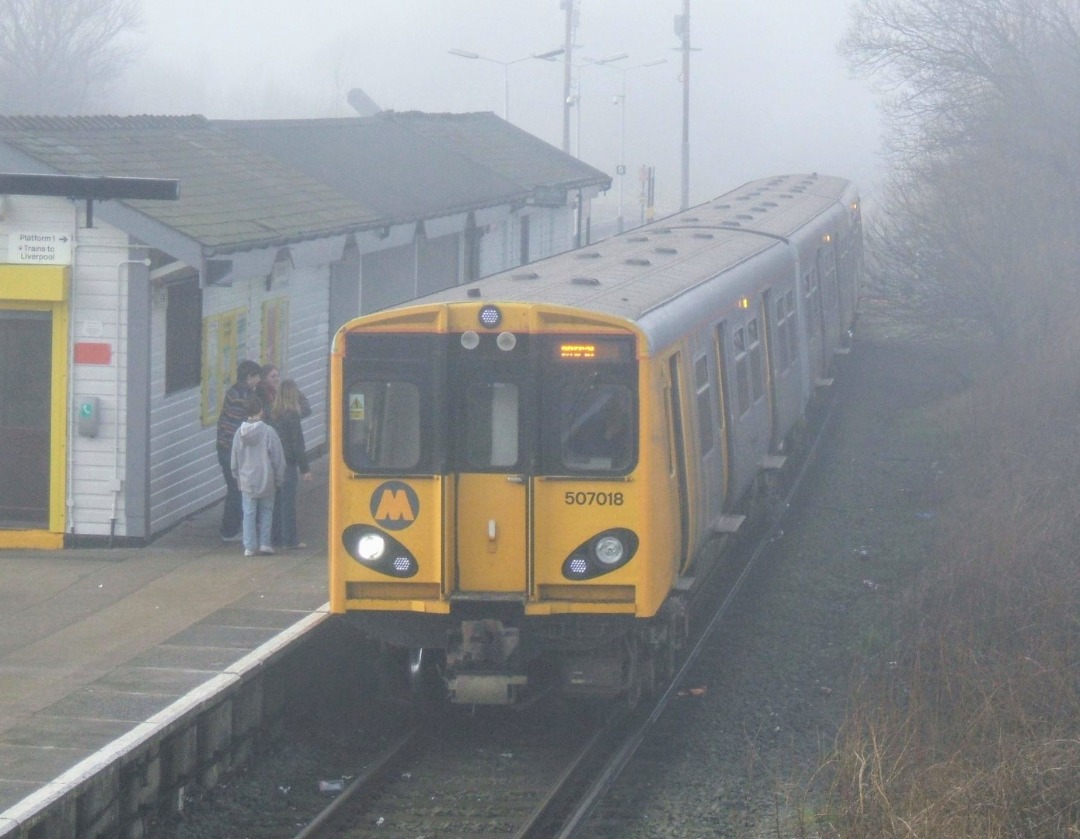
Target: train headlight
609,550
370,547
601,554
379,551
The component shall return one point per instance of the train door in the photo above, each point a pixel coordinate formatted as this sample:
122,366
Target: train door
830,303
723,408
678,460
491,398
770,340
815,324
26,339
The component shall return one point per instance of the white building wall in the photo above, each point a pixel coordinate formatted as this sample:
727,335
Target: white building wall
95,468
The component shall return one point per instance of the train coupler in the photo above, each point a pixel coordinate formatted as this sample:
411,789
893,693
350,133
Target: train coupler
480,664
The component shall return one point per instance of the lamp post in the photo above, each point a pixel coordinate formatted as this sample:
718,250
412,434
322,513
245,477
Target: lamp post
575,99
620,100
544,56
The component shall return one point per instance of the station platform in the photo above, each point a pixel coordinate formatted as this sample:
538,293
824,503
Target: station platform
95,642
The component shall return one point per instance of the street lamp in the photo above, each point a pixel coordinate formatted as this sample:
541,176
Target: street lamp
544,56
575,99
620,100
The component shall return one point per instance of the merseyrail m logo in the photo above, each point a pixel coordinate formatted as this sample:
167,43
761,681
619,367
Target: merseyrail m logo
394,505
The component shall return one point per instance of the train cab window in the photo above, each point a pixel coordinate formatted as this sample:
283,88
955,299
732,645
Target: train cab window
491,426
753,349
706,432
742,371
588,405
382,425
596,427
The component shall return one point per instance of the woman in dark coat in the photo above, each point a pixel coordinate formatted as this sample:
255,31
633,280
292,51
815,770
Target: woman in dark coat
285,417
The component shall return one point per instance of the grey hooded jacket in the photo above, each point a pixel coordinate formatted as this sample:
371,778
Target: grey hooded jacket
258,461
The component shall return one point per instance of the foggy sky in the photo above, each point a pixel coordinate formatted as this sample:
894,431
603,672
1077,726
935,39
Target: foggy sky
769,93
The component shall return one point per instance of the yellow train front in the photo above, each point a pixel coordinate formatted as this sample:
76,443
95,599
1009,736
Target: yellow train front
527,471
493,502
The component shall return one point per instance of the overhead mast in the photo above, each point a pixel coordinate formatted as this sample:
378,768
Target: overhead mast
682,29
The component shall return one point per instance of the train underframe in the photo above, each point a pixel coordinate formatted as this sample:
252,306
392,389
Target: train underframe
503,660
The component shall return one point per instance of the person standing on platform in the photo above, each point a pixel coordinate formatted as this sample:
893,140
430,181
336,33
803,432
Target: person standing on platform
258,465
269,381
286,420
233,412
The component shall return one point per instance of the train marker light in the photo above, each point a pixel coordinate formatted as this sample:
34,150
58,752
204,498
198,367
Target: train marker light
601,554
489,316
506,341
744,302
470,340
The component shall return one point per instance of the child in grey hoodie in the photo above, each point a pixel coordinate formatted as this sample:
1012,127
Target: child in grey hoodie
258,464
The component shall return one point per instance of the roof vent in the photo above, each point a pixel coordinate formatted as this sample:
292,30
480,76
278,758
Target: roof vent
637,260
689,218
730,223
664,230
786,195
745,216
588,255
702,235
584,281
721,206
769,204
666,250
637,238
527,275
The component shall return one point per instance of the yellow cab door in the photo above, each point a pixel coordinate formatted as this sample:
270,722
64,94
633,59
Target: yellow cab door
490,398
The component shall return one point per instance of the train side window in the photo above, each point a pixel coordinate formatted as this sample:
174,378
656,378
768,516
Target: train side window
742,371
382,425
706,433
753,349
597,427
491,425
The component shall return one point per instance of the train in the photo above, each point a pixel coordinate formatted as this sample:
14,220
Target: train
529,472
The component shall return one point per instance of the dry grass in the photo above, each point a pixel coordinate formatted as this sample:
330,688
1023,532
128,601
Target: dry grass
970,726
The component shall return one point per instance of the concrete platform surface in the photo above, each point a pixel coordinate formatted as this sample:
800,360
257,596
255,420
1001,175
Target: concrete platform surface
93,642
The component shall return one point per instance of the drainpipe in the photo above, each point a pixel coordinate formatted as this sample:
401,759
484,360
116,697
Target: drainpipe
118,481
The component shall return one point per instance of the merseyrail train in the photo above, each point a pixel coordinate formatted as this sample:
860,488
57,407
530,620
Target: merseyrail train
527,470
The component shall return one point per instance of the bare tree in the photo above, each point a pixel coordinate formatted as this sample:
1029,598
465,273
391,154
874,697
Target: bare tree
983,106
59,56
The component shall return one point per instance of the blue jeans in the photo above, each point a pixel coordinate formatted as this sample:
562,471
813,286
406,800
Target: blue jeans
284,532
258,521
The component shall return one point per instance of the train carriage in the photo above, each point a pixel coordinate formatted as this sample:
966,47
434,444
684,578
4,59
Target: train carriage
525,469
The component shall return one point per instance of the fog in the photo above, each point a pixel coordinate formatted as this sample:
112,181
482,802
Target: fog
769,93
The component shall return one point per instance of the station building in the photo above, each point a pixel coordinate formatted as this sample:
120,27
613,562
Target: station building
122,321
